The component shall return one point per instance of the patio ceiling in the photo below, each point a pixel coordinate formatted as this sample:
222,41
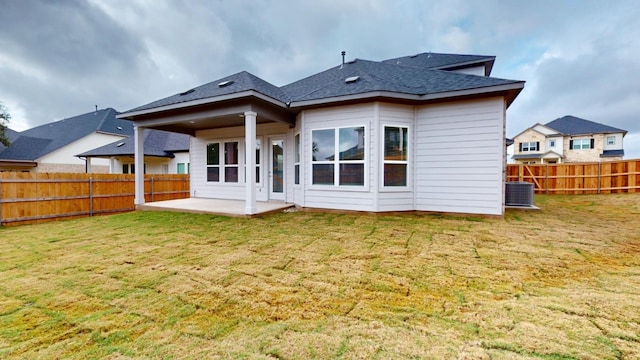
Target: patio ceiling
189,119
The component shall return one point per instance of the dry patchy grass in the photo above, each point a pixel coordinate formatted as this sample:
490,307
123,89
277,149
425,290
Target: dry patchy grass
563,283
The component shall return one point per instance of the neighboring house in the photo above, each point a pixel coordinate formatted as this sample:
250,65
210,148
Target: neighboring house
568,139
410,133
164,153
52,147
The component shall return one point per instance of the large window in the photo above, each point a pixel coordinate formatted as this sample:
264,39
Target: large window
396,150
338,156
222,164
580,144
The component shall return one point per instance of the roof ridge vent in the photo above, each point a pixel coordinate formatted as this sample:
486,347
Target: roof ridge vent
225,83
352,79
352,61
187,92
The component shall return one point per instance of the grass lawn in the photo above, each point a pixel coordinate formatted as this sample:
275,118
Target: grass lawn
562,283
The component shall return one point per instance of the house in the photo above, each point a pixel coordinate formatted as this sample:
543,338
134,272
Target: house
164,153
568,139
422,132
52,147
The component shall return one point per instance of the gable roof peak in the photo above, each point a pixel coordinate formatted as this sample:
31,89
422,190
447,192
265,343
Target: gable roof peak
573,125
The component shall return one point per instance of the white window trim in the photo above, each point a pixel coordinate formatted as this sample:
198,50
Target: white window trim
535,143
299,155
336,163
582,141
241,164
382,187
613,138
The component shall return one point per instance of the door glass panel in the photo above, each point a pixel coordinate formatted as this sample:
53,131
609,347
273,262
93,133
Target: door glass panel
277,166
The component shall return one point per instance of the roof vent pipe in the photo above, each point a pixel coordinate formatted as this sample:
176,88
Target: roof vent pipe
343,54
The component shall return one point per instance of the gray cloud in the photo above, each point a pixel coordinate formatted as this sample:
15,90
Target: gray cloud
59,58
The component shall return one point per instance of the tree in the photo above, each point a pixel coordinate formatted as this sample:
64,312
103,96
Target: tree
4,120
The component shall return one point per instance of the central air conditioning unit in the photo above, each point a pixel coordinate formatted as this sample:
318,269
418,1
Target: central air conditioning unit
519,194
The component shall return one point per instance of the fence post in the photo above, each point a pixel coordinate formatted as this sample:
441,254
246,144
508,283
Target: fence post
546,179
152,189
520,173
599,175
90,196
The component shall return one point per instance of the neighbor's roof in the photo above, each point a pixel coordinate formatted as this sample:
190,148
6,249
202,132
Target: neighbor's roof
156,143
527,156
612,153
571,125
39,141
368,79
11,135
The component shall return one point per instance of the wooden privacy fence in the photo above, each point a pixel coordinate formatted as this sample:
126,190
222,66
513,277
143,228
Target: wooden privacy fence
38,197
579,178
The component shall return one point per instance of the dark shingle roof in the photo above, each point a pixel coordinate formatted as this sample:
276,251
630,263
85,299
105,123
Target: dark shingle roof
527,156
571,125
156,143
237,83
415,76
41,140
608,153
376,76
438,61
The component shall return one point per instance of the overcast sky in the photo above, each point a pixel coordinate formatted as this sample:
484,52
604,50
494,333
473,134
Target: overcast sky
60,58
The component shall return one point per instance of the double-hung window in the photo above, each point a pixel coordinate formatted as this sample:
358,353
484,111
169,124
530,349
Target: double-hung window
611,140
529,146
580,144
396,150
338,156
222,162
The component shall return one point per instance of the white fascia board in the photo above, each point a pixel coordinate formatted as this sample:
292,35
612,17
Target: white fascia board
403,96
210,100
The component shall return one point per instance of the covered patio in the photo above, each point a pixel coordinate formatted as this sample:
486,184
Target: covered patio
214,206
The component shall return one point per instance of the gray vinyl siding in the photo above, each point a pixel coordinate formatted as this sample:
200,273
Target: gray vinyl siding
334,197
390,198
236,191
460,157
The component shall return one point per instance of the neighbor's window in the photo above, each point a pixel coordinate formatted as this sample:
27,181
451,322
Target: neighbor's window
396,150
552,143
296,163
529,146
579,144
611,140
345,169
181,169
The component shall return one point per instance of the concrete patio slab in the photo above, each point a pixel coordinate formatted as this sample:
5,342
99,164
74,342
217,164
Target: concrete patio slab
213,206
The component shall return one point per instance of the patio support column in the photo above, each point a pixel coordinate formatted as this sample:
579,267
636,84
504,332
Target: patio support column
138,161
250,162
